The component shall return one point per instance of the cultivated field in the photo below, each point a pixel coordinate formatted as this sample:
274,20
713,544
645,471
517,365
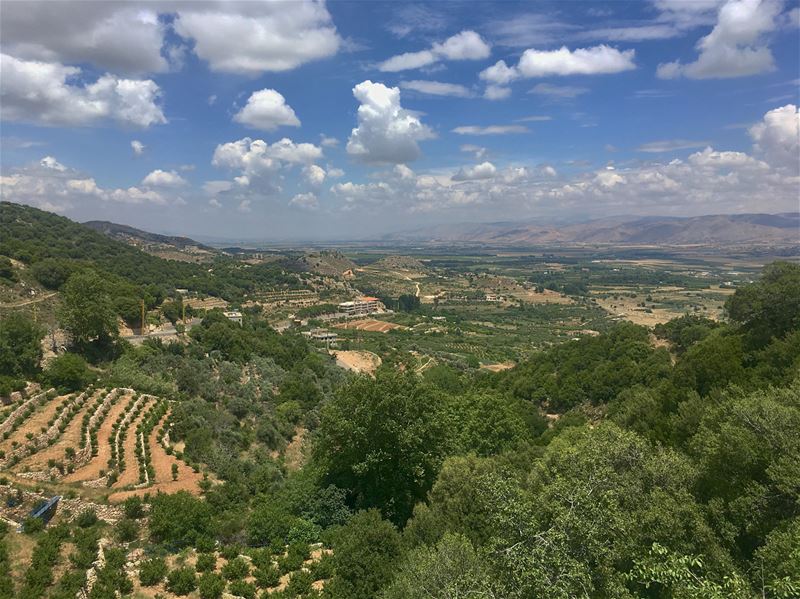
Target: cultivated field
369,324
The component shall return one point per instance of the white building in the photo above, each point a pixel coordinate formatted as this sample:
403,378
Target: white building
361,306
234,315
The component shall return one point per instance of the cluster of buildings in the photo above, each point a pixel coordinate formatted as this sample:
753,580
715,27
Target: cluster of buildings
362,306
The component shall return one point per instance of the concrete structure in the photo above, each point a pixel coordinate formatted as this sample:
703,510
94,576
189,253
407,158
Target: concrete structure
321,335
234,315
361,306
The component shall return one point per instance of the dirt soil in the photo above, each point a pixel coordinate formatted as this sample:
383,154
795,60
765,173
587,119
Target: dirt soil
92,470
498,367
357,361
34,423
130,476
71,437
188,480
369,324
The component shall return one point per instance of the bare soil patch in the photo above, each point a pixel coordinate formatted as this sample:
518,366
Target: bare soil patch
99,462
369,324
357,361
130,476
34,423
499,367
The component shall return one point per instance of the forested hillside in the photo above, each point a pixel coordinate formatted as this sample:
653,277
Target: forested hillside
636,463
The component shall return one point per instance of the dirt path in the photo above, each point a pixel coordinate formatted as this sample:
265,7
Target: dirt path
357,361
71,437
162,464
92,470
130,476
35,300
34,423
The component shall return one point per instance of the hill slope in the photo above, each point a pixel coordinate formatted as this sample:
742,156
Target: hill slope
780,229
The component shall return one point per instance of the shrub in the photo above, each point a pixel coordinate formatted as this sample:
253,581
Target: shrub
206,562
236,569
127,530
299,584
267,577
133,507
152,571
242,589
181,581
32,525
211,586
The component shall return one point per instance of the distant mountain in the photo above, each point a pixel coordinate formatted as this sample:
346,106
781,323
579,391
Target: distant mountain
750,229
127,234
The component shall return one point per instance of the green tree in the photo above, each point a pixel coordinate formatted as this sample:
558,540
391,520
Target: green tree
68,372
20,346
364,554
179,519
383,441
88,312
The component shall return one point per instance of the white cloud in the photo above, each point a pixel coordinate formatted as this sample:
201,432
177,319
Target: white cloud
113,36
777,136
217,187
159,178
670,145
478,152
267,110
137,147
437,88
39,93
536,118
304,201
558,91
484,170
490,130
496,92
244,205
315,175
52,163
386,133
328,142
466,45
257,157
597,60
255,37
735,47
335,173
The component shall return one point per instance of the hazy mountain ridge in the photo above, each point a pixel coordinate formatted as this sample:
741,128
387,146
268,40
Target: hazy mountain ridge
127,233
713,229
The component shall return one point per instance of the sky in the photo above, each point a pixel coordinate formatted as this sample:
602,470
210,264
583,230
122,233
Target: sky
305,120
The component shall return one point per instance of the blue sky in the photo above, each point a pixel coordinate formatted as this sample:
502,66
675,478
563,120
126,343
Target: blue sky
305,120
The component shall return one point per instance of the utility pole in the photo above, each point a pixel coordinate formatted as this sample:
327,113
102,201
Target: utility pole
142,304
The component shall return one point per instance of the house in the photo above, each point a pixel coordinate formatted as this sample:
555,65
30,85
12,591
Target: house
233,315
361,306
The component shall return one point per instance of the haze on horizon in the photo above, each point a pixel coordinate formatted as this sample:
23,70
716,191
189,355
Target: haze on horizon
312,120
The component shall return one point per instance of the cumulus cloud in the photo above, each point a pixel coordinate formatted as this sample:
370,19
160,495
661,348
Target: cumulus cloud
39,92
496,92
386,132
304,201
314,175
484,170
597,60
437,88
159,178
267,110
50,185
257,157
137,147
777,136
328,142
490,129
112,36
466,45
255,37
735,47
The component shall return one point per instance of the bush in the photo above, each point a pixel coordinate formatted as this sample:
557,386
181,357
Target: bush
181,581
299,583
230,552
236,569
242,589
152,571
86,518
32,525
206,562
127,530
211,586
68,372
134,507
267,577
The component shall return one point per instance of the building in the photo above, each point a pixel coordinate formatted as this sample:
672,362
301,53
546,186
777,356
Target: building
361,306
321,335
234,315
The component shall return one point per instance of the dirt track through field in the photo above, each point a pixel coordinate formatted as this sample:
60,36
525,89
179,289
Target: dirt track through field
92,470
71,437
34,423
162,464
130,476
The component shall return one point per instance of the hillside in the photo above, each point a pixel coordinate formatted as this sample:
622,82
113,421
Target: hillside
752,229
164,246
